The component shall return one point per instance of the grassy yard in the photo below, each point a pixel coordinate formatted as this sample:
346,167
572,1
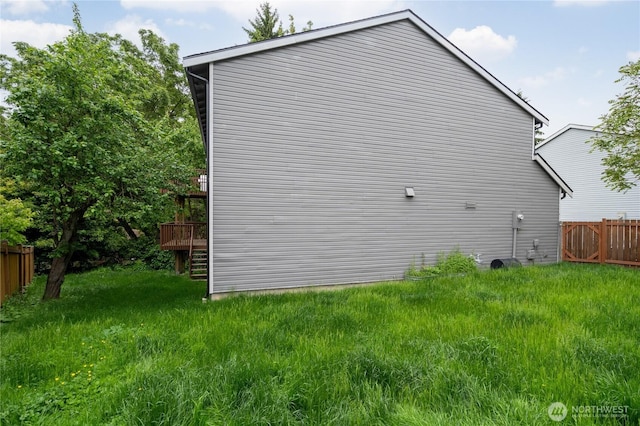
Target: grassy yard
494,347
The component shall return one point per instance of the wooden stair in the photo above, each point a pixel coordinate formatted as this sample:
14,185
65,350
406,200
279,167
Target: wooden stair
198,261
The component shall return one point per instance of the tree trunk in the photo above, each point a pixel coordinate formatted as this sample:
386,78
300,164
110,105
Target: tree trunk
128,229
56,276
61,262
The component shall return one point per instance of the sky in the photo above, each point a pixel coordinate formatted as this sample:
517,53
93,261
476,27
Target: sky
564,55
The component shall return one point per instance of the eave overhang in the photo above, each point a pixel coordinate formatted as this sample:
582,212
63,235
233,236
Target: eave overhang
198,64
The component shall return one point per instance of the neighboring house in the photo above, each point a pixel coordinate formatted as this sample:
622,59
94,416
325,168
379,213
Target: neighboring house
344,154
568,151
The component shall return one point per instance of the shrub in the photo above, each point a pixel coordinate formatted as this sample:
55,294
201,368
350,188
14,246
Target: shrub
455,262
15,216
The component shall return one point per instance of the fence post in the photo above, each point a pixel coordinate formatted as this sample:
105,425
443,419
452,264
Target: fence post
603,241
4,270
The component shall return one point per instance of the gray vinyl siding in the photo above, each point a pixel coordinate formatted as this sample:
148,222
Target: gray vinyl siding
313,145
569,155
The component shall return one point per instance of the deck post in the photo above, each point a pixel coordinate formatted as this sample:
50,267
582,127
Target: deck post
180,261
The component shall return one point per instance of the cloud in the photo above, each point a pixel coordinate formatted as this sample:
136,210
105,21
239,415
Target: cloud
129,26
175,5
186,23
482,43
36,34
535,82
24,7
321,12
584,102
633,56
586,3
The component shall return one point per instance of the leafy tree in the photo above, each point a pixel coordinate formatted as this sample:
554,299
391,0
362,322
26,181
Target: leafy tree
620,133
292,26
267,24
15,217
90,135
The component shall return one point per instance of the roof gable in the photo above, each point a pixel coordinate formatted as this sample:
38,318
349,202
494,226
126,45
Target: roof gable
194,63
565,129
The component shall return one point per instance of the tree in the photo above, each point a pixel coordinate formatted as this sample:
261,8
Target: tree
619,136
87,137
15,217
267,24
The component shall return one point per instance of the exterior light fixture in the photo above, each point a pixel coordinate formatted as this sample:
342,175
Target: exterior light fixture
409,192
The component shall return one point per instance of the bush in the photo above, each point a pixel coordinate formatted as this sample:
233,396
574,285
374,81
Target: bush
455,262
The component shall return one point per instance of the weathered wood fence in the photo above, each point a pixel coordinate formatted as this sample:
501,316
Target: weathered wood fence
609,241
16,268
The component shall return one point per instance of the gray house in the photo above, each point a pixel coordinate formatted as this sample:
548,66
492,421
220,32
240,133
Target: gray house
568,151
342,154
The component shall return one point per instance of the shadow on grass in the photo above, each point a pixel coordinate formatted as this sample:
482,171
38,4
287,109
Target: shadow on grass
102,293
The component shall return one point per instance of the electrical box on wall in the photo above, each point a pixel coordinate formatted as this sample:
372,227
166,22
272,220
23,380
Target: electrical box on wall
517,217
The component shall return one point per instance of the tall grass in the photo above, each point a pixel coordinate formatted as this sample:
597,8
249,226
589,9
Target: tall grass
492,347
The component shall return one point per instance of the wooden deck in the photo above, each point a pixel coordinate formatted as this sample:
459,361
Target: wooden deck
184,245
179,236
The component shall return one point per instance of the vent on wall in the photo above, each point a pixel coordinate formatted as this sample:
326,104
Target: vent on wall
409,192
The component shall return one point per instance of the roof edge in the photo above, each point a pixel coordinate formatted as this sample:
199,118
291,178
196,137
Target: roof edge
250,48
565,129
554,175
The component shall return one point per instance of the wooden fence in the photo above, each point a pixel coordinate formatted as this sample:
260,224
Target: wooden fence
609,241
16,268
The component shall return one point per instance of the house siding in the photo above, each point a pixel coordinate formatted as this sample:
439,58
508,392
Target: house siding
313,145
569,154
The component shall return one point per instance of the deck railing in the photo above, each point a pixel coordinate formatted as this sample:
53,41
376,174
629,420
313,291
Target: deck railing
178,236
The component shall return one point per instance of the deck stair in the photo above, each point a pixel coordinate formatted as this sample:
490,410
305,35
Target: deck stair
198,261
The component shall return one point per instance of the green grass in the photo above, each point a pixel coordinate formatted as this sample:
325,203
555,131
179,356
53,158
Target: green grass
495,347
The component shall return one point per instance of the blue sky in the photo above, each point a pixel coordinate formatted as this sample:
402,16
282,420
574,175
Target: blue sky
563,55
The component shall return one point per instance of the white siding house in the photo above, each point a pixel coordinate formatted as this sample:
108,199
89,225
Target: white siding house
342,154
568,151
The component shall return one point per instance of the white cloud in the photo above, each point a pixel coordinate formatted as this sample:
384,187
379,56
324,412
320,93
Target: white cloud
584,102
583,49
129,26
321,12
555,75
176,5
587,3
24,7
36,34
482,43
633,56
186,23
